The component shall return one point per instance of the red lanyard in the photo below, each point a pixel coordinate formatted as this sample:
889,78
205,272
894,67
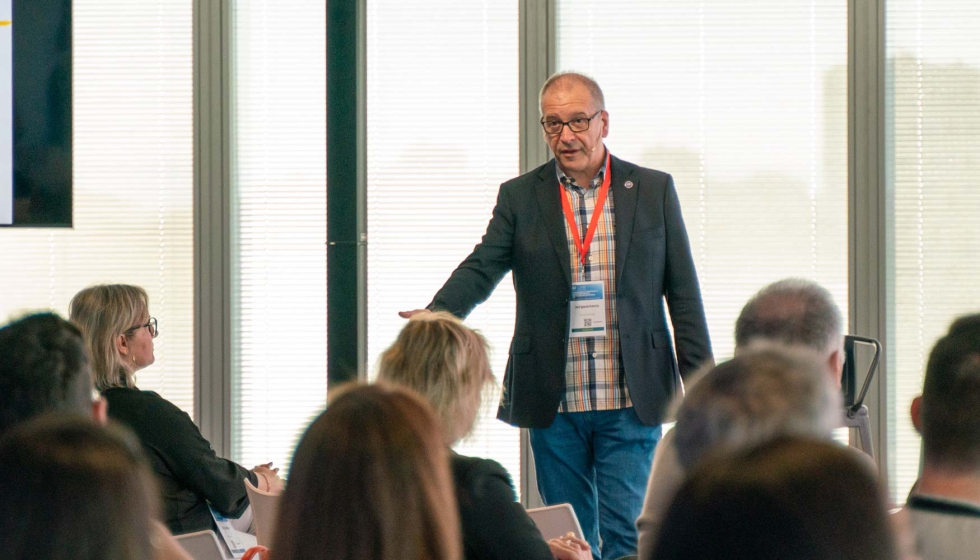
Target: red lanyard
583,246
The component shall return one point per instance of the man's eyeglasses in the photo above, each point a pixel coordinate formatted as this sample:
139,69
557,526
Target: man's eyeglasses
151,324
581,124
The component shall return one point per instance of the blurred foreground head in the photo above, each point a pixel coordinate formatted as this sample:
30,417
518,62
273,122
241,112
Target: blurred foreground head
788,498
74,489
370,480
754,397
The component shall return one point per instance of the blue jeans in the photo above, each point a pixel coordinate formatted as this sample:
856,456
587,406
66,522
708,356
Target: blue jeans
599,462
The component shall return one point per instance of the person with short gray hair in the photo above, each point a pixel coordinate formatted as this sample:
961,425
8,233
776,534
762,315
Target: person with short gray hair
767,390
759,394
794,311
596,244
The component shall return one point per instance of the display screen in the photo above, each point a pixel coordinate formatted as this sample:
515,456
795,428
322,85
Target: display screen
6,115
35,113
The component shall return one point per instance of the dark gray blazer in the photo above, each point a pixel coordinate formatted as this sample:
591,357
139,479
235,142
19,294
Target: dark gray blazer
526,234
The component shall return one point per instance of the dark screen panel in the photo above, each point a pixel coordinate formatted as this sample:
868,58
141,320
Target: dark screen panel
42,113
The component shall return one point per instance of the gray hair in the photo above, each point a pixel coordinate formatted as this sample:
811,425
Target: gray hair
793,311
566,79
763,393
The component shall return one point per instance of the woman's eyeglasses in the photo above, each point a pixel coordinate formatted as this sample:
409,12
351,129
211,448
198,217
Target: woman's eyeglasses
151,324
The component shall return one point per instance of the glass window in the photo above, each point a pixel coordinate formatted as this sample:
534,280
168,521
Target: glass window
744,102
279,268
442,135
933,138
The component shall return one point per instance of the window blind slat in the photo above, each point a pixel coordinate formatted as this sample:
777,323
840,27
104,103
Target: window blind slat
933,138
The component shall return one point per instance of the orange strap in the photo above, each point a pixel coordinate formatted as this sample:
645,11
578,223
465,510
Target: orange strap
583,245
256,551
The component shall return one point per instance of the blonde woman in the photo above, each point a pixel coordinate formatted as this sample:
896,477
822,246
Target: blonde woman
119,331
446,362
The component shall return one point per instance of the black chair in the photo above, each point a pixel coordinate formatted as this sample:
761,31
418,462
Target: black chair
856,412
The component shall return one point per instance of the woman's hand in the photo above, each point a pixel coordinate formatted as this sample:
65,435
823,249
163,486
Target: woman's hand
269,480
570,547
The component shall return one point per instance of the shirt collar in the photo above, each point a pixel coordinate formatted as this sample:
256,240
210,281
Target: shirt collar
569,182
942,504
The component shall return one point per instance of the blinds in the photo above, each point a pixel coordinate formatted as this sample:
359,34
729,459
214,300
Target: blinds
133,173
442,136
745,103
933,136
279,347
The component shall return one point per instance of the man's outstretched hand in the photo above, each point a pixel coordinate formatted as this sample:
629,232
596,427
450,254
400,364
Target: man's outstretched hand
410,314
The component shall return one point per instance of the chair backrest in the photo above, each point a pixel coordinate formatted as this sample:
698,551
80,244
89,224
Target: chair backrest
265,512
202,545
556,521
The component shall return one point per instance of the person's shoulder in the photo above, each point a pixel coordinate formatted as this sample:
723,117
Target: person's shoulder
646,174
148,403
532,177
473,469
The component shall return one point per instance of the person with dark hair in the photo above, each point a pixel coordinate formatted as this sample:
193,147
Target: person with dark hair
43,368
370,481
944,507
75,490
595,245
115,321
788,498
446,362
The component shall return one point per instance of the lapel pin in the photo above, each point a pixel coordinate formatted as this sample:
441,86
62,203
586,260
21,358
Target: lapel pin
628,184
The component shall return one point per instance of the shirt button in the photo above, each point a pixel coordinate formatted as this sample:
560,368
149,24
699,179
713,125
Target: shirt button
590,257
594,355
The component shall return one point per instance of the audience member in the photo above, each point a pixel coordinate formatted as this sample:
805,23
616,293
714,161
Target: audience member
788,498
116,323
44,368
370,481
756,396
792,312
75,490
944,507
446,362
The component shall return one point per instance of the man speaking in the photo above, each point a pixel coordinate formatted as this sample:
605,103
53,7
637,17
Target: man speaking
595,245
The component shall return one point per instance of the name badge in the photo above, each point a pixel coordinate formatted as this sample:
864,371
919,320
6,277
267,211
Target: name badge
228,534
587,310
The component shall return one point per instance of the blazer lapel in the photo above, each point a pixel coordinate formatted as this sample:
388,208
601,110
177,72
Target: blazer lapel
624,200
552,215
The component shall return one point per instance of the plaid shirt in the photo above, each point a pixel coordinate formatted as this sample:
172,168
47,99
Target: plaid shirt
594,379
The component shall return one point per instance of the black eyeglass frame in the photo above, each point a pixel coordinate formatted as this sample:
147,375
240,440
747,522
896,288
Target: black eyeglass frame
152,324
588,123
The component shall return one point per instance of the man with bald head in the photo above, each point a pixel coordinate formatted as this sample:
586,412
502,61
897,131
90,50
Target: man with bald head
595,244
795,312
